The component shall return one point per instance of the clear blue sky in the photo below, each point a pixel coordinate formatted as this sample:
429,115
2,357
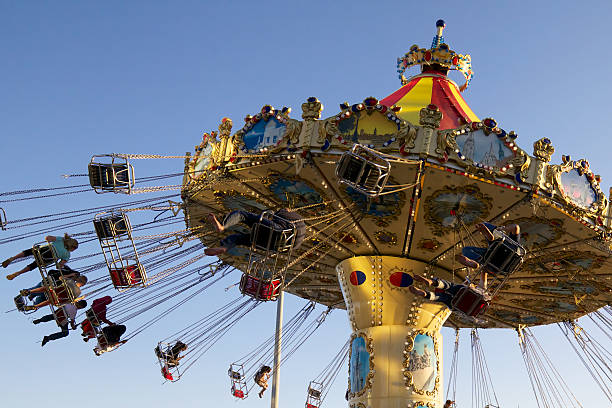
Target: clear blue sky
78,78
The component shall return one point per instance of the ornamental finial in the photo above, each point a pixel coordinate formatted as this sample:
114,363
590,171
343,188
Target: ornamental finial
438,39
439,59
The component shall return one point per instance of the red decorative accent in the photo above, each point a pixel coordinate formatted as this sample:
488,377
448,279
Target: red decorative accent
475,125
304,153
432,107
444,158
427,55
402,151
455,60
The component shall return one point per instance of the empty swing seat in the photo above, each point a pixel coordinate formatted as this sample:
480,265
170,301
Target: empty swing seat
363,171
260,289
111,226
108,176
127,277
270,238
470,301
503,256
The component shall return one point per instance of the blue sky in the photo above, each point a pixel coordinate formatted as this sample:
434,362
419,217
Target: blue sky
79,78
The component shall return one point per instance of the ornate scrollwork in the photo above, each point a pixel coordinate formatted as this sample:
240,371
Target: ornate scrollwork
543,149
430,116
407,135
446,142
328,129
311,109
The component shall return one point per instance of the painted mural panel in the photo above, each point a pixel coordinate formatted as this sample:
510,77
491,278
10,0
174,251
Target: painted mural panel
423,364
359,365
264,134
577,188
294,192
364,126
488,150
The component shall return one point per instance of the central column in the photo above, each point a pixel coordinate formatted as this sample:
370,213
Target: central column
396,347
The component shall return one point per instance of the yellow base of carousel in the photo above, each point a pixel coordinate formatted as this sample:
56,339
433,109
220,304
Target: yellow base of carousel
395,358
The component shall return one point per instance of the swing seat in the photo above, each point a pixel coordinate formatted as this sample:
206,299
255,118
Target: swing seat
58,295
503,256
268,235
260,289
108,177
314,393
113,226
470,302
127,277
20,303
363,170
234,375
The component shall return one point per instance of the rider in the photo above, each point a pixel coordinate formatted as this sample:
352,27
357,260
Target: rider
66,315
471,256
40,299
61,245
110,337
283,219
261,378
171,355
444,291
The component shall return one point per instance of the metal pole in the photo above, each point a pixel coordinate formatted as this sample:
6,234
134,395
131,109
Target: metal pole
277,350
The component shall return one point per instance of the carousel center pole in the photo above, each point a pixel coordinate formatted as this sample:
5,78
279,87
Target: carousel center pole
396,346
277,350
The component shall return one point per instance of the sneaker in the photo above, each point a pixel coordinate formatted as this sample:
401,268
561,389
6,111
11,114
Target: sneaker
36,321
6,263
44,341
24,292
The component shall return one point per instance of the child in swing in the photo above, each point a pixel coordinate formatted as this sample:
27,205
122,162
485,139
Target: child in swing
261,378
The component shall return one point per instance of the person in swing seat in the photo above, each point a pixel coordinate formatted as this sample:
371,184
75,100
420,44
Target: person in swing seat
66,316
172,355
471,256
444,291
283,219
40,297
261,378
61,245
110,338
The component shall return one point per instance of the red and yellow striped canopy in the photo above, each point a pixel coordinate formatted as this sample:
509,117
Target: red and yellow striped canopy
436,89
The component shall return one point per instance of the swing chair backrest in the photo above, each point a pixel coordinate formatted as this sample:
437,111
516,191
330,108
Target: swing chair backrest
112,226
60,316
58,293
128,276
364,170
111,173
503,255
272,234
261,289
470,301
93,319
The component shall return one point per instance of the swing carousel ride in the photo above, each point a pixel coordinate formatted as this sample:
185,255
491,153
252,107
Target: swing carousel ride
388,189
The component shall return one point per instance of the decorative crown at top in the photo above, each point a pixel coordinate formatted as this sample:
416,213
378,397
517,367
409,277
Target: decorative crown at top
439,54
